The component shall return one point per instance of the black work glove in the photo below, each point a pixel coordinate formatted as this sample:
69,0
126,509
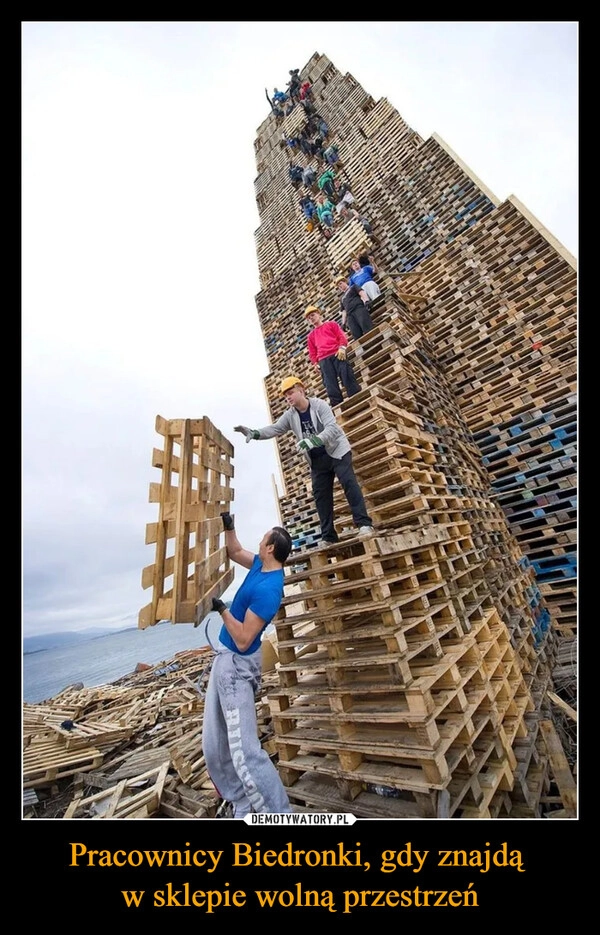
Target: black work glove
227,521
218,605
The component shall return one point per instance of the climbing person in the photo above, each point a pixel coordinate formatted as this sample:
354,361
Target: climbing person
274,105
280,97
294,85
309,208
317,147
309,177
348,213
305,144
344,195
295,173
325,184
326,448
331,154
325,211
237,764
355,313
363,271
327,345
322,126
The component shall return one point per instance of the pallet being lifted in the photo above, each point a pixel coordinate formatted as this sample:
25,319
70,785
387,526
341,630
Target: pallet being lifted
189,526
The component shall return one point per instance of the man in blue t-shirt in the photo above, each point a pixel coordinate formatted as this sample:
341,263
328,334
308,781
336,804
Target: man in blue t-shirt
363,271
240,769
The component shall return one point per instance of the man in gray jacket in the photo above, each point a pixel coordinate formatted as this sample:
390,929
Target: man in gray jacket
327,450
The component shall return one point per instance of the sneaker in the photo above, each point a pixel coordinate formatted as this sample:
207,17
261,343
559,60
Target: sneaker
325,543
366,531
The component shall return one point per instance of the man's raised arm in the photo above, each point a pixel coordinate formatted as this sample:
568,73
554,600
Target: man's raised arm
234,549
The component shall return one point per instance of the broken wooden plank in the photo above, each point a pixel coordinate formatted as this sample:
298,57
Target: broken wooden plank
560,768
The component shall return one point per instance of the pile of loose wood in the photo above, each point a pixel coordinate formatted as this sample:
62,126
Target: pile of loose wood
130,749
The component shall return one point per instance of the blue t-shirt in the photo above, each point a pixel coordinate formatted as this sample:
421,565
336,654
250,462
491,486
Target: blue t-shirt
361,276
261,592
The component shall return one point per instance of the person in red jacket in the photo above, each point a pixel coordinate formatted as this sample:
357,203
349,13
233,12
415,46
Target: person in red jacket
327,345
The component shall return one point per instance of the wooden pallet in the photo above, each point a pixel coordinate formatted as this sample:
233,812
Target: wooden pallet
122,800
189,522
46,761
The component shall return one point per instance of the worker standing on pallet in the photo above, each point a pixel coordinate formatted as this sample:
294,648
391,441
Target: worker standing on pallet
326,448
240,769
355,313
362,276
327,345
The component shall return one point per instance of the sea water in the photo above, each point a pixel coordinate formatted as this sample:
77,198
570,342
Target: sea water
103,659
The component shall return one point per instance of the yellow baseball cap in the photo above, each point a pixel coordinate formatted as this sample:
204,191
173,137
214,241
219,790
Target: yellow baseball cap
310,309
288,382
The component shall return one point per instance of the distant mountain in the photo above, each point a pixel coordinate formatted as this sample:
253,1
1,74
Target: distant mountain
36,644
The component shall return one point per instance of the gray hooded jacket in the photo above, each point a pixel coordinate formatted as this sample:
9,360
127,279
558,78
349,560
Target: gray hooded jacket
334,439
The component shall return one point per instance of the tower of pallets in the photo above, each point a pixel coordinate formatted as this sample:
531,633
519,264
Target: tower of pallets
417,663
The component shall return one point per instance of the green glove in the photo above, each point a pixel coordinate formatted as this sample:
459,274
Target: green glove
313,441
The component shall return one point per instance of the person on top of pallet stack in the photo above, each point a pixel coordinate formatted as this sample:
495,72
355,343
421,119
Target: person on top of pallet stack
355,313
317,147
305,143
326,448
325,184
321,126
294,85
295,173
309,177
348,213
342,190
309,210
331,154
325,211
327,346
361,275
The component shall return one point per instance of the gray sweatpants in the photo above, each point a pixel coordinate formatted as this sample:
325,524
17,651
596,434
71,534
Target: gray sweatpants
238,766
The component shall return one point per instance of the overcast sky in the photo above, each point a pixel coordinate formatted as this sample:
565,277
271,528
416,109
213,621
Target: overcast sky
139,270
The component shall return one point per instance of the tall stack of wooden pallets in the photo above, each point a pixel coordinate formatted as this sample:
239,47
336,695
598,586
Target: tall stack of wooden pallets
414,666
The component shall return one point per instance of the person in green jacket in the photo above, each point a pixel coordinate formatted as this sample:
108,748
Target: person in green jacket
325,184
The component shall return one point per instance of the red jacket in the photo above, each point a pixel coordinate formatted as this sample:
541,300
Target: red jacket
325,340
